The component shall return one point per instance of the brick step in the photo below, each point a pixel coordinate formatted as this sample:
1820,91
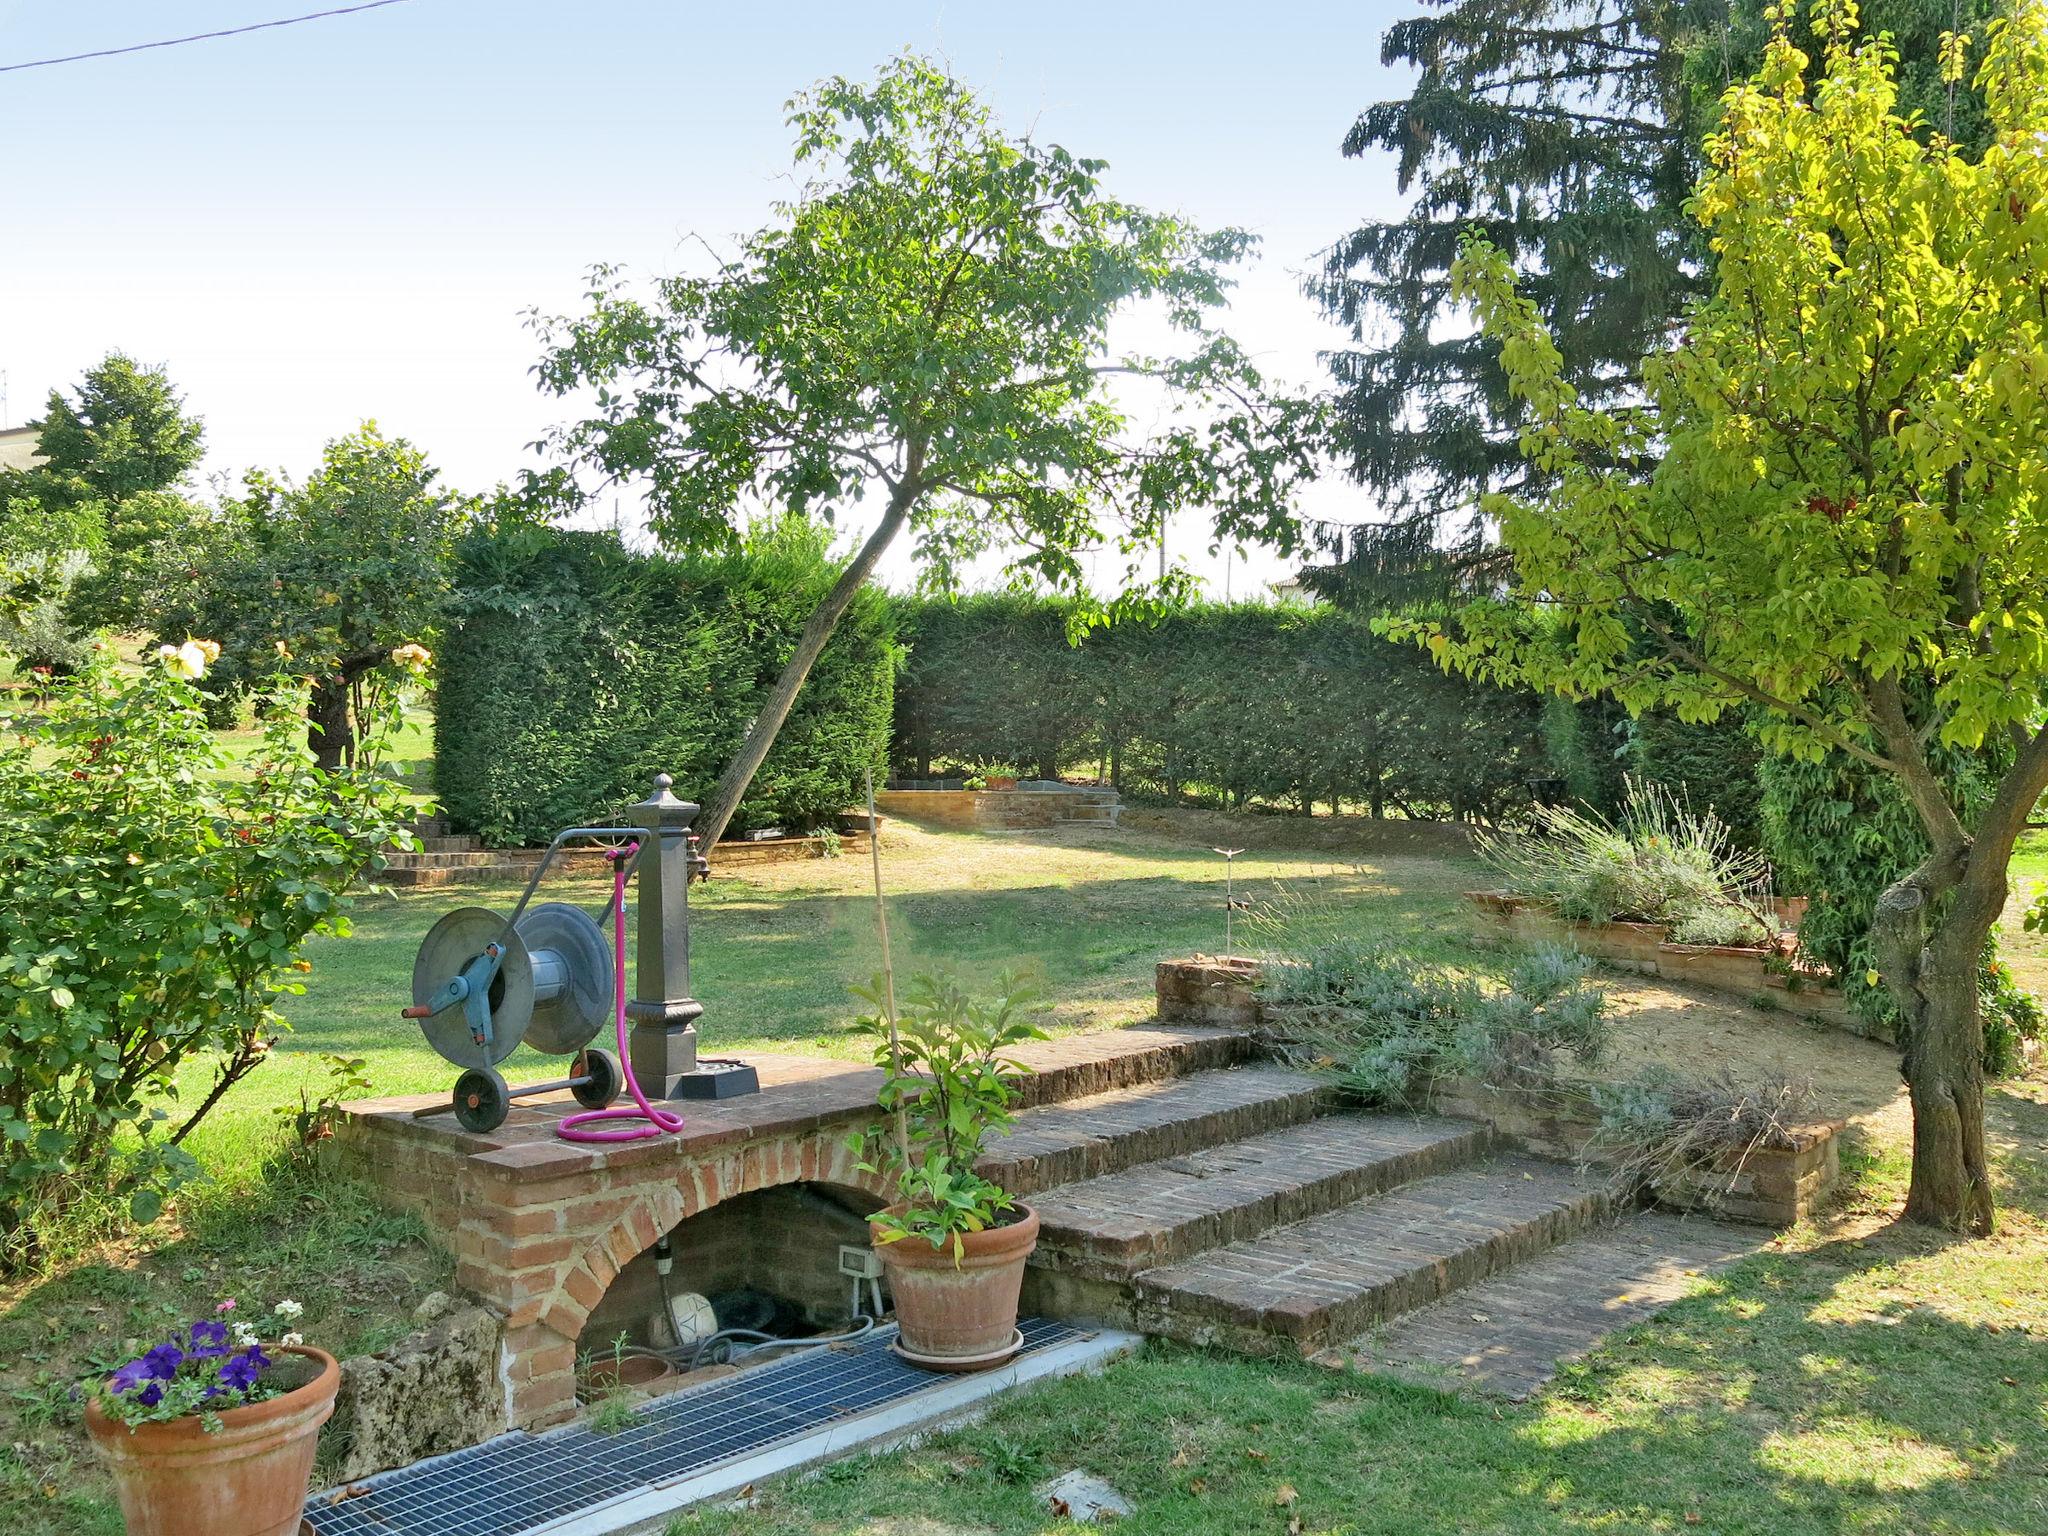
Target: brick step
441,842
1304,1287
1163,1212
1508,1334
463,858
1085,1138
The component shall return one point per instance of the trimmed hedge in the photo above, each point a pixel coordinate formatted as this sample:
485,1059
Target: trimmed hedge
575,670
1287,705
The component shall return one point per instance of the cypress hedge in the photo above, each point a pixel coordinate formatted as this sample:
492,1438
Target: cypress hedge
575,670
1288,705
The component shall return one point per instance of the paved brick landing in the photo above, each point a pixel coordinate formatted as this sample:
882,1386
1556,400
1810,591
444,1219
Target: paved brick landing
1509,1334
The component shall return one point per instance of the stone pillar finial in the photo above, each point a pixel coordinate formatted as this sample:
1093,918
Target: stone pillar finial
664,1014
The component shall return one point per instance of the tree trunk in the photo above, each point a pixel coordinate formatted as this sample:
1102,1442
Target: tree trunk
329,730
1933,978
810,644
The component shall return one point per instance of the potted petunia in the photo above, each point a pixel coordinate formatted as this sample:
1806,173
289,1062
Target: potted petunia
952,1242
214,1429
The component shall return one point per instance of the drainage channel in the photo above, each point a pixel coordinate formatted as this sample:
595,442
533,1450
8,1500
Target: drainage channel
690,1445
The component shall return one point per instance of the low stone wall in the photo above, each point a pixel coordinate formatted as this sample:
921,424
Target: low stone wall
434,1391
1647,949
1773,1186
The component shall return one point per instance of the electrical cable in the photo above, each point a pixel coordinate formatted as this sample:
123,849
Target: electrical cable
201,37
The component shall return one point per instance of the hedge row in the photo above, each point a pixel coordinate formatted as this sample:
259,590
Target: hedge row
577,669
1288,705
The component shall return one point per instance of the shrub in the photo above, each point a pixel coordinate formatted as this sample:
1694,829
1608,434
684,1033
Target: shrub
1659,861
1658,1122
152,905
1388,1026
948,1092
1287,706
577,670
1842,832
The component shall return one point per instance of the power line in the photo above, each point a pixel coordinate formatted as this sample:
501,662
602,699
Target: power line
201,37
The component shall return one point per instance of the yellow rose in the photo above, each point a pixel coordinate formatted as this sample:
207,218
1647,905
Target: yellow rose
413,657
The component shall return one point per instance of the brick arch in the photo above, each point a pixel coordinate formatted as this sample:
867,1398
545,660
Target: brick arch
546,1255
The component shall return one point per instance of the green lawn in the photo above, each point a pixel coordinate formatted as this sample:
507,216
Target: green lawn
1869,1379
1860,1378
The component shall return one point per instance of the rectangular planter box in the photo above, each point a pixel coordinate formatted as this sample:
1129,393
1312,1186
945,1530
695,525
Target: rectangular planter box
1646,949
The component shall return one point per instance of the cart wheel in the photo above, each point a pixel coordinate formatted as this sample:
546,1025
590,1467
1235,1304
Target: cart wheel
603,1081
481,1099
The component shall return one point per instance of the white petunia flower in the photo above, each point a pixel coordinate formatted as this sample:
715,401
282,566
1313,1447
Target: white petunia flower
293,1338
245,1334
289,1309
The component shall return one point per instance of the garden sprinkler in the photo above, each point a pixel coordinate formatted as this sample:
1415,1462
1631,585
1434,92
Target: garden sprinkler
1229,895
482,984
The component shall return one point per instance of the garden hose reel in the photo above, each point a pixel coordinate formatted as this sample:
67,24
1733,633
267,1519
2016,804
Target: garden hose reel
482,985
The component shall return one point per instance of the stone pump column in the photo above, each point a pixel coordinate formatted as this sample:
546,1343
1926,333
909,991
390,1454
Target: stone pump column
663,1040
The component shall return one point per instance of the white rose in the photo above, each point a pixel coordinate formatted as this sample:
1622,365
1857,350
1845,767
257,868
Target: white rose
187,661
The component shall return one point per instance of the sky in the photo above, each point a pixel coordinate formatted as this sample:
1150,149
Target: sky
347,219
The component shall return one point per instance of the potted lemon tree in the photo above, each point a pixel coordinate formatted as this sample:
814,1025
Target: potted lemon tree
952,1243
213,1429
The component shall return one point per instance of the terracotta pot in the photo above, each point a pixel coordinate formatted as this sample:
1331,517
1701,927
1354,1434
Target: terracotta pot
964,1312
246,1479
639,1373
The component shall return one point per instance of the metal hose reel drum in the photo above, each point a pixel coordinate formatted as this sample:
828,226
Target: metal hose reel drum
481,986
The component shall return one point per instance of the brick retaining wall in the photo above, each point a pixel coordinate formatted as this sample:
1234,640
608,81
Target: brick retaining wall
542,1228
1772,1186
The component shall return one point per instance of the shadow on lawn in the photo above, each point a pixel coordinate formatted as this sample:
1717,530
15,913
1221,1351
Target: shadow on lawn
777,968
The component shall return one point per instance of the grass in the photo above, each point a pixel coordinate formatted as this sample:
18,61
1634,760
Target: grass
772,960
1860,1376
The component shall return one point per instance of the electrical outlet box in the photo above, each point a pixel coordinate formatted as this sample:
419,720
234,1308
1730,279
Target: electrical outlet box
861,1263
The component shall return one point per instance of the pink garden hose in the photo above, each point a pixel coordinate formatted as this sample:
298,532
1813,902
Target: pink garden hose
654,1121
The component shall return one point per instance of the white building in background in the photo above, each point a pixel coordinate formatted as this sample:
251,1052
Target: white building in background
18,448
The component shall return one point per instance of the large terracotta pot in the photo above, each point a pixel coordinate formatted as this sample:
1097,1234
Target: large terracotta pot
246,1479
960,1316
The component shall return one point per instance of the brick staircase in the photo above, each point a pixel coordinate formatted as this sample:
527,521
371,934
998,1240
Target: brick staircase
1237,1205
442,858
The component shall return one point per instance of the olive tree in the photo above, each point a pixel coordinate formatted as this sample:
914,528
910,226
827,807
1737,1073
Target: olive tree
1832,505
923,331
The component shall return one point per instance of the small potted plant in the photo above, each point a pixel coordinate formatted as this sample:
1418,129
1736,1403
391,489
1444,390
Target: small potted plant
213,1429
952,1243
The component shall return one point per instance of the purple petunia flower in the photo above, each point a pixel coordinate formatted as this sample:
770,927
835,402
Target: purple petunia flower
129,1377
163,1361
209,1340
241,1371
151,1395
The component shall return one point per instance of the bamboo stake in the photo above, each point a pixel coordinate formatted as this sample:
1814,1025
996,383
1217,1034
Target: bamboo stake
888,965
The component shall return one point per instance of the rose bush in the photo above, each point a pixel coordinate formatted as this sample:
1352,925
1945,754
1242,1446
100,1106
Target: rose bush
154,895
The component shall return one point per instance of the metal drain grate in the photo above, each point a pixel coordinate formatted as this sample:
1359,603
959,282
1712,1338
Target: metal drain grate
519,1481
